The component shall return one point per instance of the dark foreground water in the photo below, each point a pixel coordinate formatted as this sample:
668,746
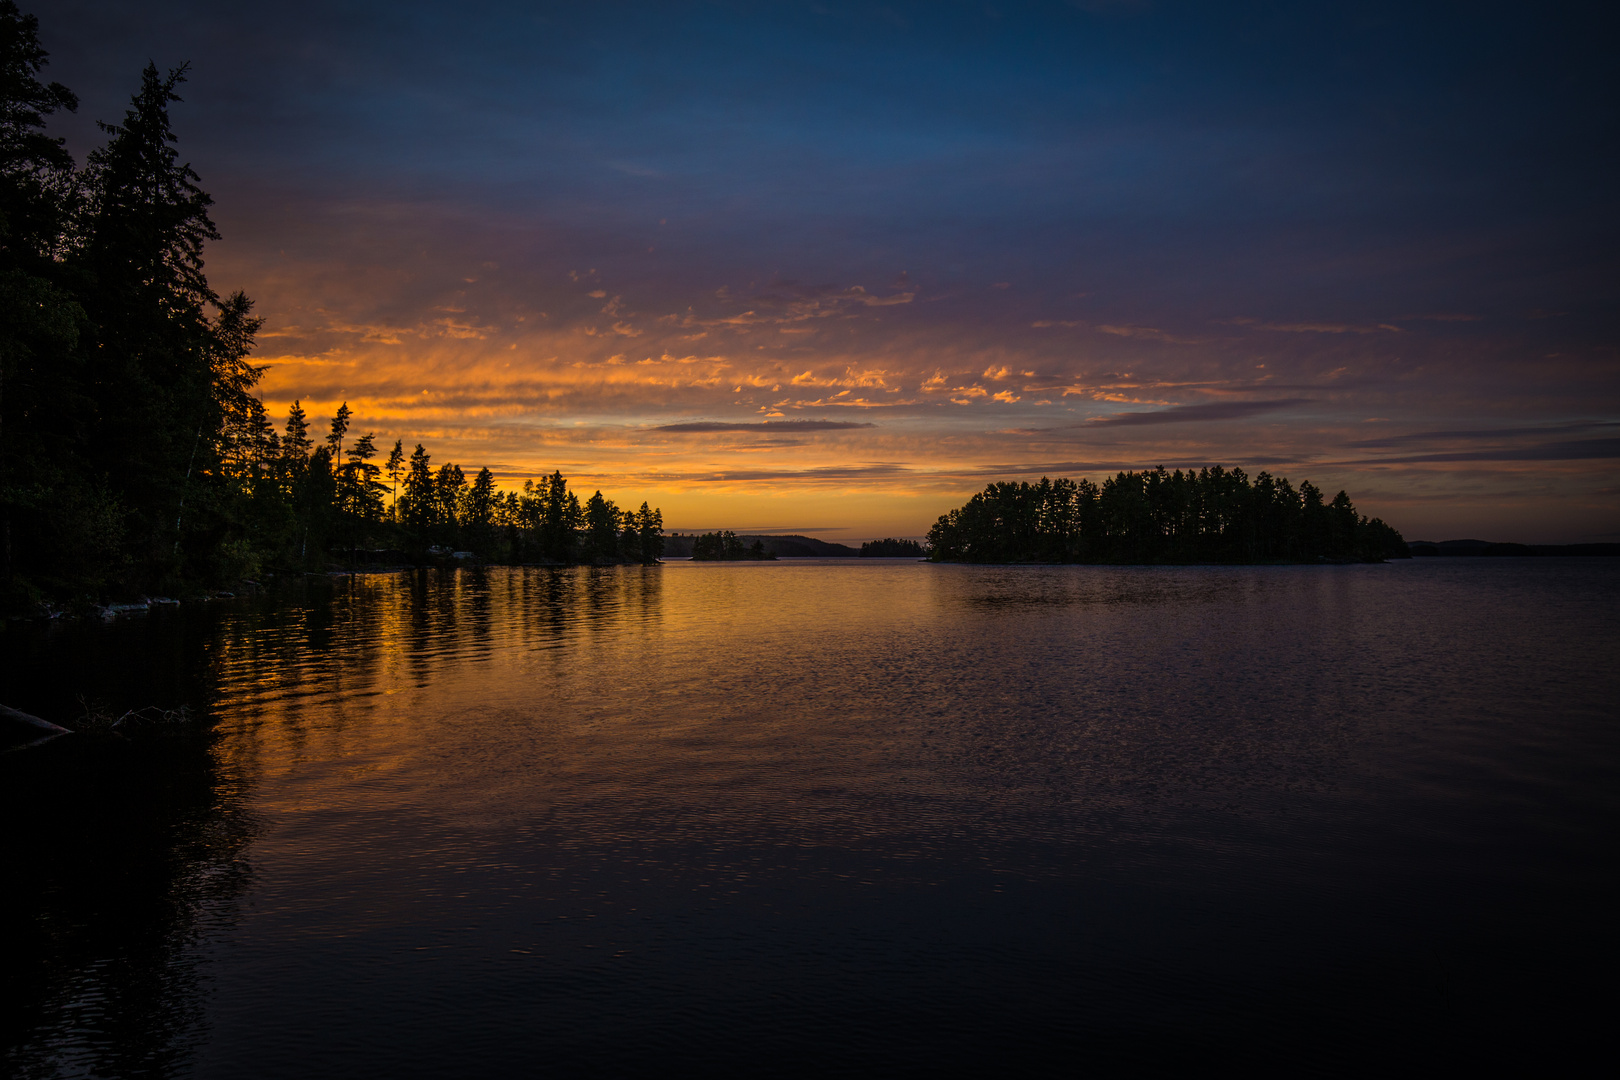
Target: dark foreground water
797,816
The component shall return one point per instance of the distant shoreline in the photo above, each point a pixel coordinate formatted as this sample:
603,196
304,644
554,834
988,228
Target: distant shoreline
1428,549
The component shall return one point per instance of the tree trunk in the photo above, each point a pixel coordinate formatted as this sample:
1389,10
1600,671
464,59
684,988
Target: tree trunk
17,717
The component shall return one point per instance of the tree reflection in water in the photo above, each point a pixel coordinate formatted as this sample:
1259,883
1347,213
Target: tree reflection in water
125,852
859,814
121,852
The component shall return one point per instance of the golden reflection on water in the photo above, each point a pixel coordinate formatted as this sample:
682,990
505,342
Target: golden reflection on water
610,812
511,692
773,705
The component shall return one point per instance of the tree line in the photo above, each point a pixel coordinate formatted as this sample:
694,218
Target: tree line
727,546
335,499
1214,515
134,454
891,548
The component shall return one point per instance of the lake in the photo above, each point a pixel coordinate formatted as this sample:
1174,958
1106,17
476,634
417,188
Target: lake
807,815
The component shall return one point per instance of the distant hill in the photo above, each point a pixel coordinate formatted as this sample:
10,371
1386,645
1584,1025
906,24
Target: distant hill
679,546
1431,548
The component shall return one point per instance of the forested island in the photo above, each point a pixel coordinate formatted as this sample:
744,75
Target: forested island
681,546
890,548
1214,515
727,546
134,456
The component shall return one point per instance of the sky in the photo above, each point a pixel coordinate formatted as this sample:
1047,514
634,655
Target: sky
831,267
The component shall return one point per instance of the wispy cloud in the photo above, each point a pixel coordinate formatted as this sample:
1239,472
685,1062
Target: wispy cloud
819,475
786,303
1186,414
1486,434
1570,450
698,426
1314,327
1147,333
450,316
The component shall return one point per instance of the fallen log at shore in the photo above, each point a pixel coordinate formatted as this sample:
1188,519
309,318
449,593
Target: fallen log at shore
17,716
20,725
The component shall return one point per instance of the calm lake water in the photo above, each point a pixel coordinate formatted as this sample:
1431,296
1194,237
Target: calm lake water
803,815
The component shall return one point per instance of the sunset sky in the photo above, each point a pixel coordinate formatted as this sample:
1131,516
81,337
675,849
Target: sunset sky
831,267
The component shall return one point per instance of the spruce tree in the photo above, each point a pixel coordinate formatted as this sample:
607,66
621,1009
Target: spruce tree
164,376
297,443
650,527
363,491
601,529
49,511
396,464
418,509
340,428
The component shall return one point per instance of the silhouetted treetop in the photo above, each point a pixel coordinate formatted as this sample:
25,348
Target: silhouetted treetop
727,546
134,455
890,548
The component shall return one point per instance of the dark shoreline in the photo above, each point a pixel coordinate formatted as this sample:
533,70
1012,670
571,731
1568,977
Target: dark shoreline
1428,549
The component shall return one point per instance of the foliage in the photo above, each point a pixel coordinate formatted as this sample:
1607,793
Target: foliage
305,507
134,456
890,548
727,546
1214,515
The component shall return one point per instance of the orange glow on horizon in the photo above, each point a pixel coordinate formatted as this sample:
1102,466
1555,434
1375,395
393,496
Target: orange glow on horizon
913,406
